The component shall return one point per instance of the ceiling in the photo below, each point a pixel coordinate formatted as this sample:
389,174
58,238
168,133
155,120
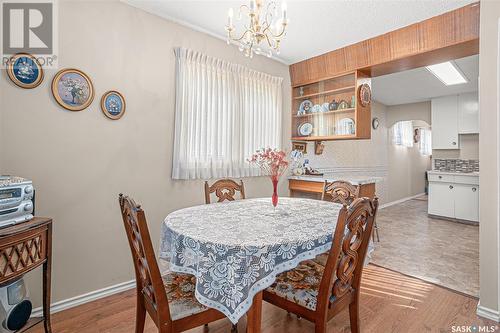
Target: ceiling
316,27
418,85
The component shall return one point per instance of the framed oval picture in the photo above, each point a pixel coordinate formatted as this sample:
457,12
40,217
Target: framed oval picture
25,70
113,105
72,89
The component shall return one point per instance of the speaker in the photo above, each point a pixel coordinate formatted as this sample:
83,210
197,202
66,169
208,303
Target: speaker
15,306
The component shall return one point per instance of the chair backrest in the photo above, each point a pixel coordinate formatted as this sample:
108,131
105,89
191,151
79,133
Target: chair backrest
147,274
225,189
346,258
340,191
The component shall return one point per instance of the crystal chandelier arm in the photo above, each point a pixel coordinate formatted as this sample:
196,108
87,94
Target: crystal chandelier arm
234,39
269,31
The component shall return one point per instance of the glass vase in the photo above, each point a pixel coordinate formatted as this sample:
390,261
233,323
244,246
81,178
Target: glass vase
275,191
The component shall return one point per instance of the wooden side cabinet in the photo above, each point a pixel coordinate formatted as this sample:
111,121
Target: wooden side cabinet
24,247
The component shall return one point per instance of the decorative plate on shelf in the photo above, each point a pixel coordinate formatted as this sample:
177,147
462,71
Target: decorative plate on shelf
305,107
316,108
345,126
324,107
305,129
343,105
365,94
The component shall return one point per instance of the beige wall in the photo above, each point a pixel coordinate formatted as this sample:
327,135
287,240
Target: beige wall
407,166
469,149
80,161
488,155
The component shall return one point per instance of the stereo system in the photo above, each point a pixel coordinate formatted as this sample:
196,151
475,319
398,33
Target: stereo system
16,200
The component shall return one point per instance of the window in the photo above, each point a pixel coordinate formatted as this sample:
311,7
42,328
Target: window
402,133
425,143
223,113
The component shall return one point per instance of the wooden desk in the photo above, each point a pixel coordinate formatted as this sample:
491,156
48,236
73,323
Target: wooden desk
24,247
315,189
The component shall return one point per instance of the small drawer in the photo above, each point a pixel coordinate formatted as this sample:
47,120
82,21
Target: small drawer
441,178
470,180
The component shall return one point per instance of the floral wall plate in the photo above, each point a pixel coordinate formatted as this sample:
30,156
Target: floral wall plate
365,94
72,89
113,105
305,107
25,70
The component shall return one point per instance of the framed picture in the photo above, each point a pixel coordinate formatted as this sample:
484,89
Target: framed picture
25,70
113,105
300,146
72,89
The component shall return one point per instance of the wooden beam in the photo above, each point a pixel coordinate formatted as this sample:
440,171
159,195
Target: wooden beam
448,36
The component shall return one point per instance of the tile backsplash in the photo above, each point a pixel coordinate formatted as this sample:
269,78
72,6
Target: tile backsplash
456,165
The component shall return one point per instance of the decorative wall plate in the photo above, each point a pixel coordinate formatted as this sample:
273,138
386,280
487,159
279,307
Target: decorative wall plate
316,108
72,89
305,107
325,107
25,70
305,129
113,105
365,94
346,126
343,105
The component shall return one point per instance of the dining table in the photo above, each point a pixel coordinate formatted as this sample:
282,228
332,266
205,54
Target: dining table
236,249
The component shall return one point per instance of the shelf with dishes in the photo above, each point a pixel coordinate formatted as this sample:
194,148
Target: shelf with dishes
331,109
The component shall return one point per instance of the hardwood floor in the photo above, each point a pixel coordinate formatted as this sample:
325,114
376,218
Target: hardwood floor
390,302
435,250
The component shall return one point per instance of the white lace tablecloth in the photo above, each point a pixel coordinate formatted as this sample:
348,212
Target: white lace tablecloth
236,249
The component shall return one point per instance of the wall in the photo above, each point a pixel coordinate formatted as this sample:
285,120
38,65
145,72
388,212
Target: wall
80,161
406,165
489,96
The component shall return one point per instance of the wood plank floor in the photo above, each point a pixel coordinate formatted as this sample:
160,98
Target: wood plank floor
390,302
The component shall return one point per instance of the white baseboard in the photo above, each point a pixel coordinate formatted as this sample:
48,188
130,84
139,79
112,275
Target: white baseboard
487,313
392,203
85,298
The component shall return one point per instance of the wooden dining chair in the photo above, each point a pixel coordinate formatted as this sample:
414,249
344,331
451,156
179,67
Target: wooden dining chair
225,189
318,293
343,192
169,299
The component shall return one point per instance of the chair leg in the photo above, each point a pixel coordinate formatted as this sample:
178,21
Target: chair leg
376,230
234,328
140,315
320,326
354,315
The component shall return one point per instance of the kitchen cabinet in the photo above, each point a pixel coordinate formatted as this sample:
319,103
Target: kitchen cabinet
468,113
444,117
454,196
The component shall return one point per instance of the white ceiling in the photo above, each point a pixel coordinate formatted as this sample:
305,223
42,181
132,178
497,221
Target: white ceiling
418,85
315,27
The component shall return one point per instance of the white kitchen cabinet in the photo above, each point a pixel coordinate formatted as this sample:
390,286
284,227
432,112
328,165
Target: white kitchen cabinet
468,113
466,202
444,117
441,201
454,196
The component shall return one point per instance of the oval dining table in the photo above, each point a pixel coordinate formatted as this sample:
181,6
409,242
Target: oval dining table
236,249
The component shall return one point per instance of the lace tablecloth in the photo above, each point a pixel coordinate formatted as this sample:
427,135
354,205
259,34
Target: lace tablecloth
236,249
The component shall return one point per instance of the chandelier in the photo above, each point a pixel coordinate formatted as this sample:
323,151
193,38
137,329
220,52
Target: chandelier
264,30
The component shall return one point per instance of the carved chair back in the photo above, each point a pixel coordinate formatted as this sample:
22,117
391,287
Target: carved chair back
147,274
340,191
225,189
342,274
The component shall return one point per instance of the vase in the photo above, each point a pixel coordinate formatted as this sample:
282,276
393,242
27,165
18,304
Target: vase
275,191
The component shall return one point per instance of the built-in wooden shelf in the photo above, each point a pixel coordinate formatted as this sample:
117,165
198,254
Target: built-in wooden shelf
324,138
333,91
326,113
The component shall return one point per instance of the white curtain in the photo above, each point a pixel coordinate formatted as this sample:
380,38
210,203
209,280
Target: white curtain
223,113
402,133
425,142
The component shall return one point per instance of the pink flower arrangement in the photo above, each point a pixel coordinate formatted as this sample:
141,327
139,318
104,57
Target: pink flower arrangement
272,161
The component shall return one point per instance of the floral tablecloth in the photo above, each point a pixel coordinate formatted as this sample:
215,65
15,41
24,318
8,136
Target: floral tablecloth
236,249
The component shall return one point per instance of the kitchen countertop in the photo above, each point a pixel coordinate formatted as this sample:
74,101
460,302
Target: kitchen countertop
355,180
437,172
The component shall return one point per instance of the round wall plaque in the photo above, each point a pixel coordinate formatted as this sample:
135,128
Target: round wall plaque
365,94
